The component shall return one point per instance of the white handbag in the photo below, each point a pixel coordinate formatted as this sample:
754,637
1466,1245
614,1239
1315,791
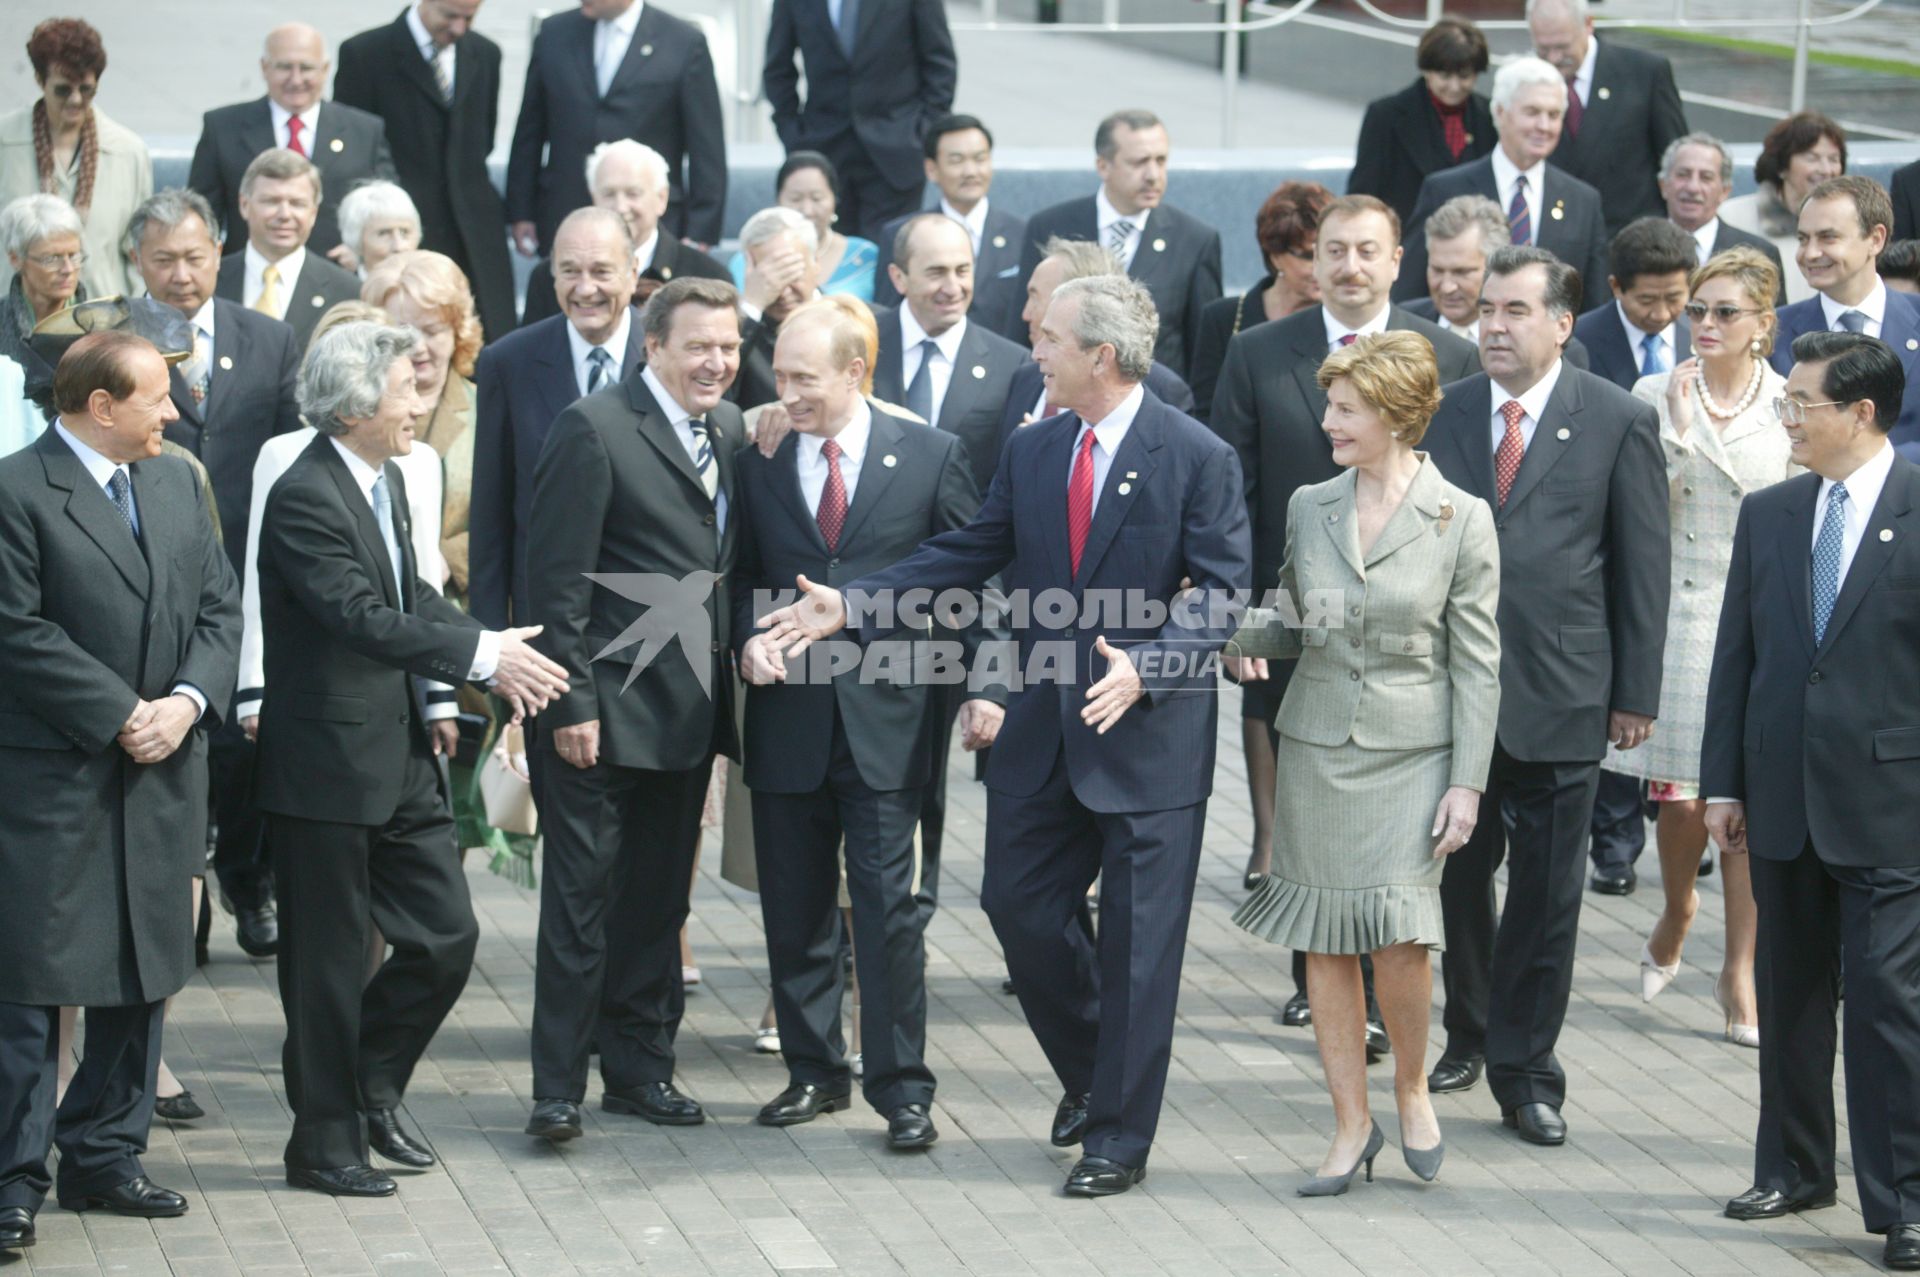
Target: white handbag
505,789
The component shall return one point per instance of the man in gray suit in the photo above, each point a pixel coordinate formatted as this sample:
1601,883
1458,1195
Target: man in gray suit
1571,465
119,641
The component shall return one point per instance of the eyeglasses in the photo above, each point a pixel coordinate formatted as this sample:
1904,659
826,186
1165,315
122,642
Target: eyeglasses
58,261
84,92
1794,413
1722,314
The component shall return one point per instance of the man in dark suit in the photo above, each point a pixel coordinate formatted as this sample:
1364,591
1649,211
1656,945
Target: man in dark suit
1696,176
1173,254
435,81
851,753
612,69
120,637
1545,205
1079,786
631,535
959,160
782,273
878,72
233,393
276,274
1906,201
523,381
1811,717
350,772
1623,109
629,178
1572,467
1843,227
346,144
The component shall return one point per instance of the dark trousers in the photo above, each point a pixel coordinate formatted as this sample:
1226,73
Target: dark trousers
1507,986
352,1043
1102,1009
868,201
1822,924
619,847
933,800
101,1126
1619,821
796,841
239,849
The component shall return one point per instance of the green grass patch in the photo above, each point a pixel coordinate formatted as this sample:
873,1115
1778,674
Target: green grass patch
1770,49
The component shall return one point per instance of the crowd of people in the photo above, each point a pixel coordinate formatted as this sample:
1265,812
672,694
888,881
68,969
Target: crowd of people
1538,489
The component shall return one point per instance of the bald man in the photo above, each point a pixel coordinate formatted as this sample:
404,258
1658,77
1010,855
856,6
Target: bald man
346,144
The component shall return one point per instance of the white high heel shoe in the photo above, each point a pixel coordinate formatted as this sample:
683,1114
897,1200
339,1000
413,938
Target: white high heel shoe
1747,1035
1653,976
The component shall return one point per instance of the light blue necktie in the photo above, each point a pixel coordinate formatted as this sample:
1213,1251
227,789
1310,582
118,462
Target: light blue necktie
846,24
383,515
599,367
1853,321
1826,560
1652,359
920,392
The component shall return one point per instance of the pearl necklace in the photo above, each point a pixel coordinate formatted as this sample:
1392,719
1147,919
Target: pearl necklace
1746,400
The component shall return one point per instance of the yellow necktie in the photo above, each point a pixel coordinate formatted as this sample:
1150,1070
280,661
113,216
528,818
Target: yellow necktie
268,303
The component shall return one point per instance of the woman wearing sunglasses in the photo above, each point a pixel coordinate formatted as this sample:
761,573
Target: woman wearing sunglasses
1722,439
65,145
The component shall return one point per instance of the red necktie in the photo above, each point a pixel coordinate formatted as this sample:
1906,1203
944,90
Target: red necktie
832,515
1575,108
294,125
1080,500
1347,339
1513,446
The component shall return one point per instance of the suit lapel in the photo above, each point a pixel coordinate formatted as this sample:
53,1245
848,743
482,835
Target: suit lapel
639,49
558,386
324,135
1339,516
416,68
1890,524
657,431
963,388
229,356
1309,352
1050,480
190,412
876,476
155,529
1473,439
1795,547
785,480
88,506
362,511
1156,246
583,57
1899,329
1132,468
889,373
1553,434
257,133
1417,508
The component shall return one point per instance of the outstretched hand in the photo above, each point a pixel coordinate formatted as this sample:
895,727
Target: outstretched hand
819,613
1113,695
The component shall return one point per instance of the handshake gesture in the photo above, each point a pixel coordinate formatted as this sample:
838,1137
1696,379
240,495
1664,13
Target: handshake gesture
524,678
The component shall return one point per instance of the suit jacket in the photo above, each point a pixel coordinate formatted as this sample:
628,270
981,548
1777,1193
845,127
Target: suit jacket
664,95
100,851
1571,227
349,147
1819,739
1632,114
1169,510
976,393
522,383
1023,398
999,290
1269,407
322,286
250,399
1574,352
440,150
1178,261
1608,351
615,492
1402,140
1906,201
1733,237
672,257
344,642
1584,559
1899,328
889,724
899,79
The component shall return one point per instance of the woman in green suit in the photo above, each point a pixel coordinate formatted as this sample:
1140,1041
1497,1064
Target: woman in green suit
1386,730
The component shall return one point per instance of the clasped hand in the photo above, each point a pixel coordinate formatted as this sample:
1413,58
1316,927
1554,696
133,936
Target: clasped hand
156,728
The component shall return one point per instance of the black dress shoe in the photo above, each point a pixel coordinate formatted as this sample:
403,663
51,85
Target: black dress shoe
358,1180
1770,1203
1903,1248
910,1127
1102,1177
1614,882
257,928
658,1102
802,1102
1537,1123
16,1228
554,1120
1297,1013
1070,1121
178,1108
393,1143
1006,985
139,1196
1378,1044
1450,1074
1706,864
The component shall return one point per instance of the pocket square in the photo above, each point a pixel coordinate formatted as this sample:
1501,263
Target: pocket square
1009,272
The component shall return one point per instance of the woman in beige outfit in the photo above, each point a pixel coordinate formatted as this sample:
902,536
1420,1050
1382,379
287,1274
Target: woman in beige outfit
1386,731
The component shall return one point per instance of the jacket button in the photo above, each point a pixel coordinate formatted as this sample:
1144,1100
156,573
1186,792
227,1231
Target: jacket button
1814,677
1067,633
1354,610
403,720
1354,675
1354,641
833,563
1686,492
1688,583
709,520
714,648
1692,537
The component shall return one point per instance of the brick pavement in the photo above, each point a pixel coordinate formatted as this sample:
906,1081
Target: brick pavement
1661,1113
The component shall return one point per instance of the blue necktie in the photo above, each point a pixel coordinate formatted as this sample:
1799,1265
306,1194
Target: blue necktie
920,393
1651,359
122,493
847,25
383,515
599,367
1519,216
1826,559
1853,321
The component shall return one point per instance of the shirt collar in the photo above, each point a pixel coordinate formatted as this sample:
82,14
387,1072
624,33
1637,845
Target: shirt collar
1637,334
1706,236
616,345
627,21
853,438
288,266
1112,429
1534,402
1105,214
1585,74
309,119
1505,171
203,318
1336,330
98,467
1469,331
363,474
912,334
1864,484
421,38
668,404
976,221
1873,306
643,253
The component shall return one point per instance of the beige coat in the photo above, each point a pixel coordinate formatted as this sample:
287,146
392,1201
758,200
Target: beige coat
123,179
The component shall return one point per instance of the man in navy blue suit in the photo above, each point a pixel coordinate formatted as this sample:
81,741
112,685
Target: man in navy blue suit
1116,497
1843,226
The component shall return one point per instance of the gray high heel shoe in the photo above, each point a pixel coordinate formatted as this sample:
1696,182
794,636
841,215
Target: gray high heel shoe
1424,1162
1334,1185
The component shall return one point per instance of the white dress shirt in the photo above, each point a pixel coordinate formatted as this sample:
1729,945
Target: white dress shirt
1583,78
1532,403
1636,340
615,346
643,254
678,418
1873,306
428,49
202,323
611,36
1105,215
1863,493
1703,239
1336,330
1469,332
945,355
289,268
1506,173
1108,434
853,439
309,121
975,222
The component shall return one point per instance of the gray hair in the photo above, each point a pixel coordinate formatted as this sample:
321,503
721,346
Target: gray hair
626,148
168,209
1080,258
1115,311
1463,213
26,221
278,164
1524,73
1697,139
371,200
769,222
345,373
1578,8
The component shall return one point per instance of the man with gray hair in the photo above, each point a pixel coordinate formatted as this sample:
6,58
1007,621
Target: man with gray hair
1696,176
1460,235
350,777
782,271
1117,496
276,273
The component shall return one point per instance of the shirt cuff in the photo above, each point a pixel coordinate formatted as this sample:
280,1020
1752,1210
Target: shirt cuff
486,657
1712,801
442,702
193,694
750,310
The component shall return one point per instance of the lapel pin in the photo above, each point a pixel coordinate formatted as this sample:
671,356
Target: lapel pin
1125,488
666,272
979,373
318,301
1469,139
889,461
1886,534
336,146
646,51
1913,343
1558,212
1159,246
999,241
1605,93
1133,474
226,363
1564,435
